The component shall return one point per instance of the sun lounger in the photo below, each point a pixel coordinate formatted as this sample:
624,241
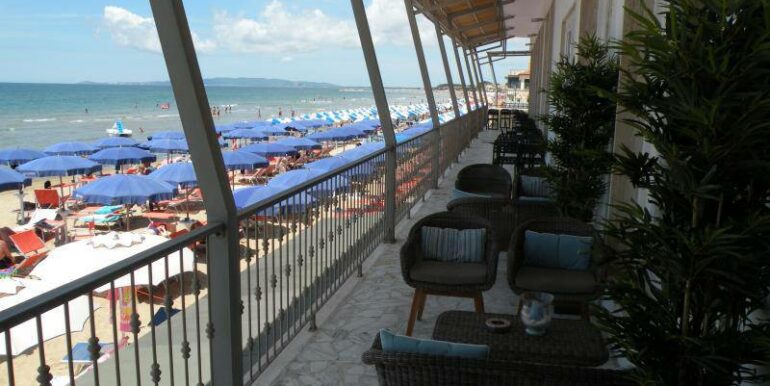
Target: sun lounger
31,247
162,315
49,198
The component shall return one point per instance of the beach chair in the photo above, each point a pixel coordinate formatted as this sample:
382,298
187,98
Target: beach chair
48,198
31,247
89,232
162,315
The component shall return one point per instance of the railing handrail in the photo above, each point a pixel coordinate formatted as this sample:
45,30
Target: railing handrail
272,200
47,301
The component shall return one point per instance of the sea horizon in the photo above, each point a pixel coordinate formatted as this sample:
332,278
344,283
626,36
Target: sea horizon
35,115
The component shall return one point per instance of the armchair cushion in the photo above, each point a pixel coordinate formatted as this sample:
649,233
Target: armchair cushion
392,343
453,245
560,251
532,186
575,252
440,272
544,200
555,281
457,193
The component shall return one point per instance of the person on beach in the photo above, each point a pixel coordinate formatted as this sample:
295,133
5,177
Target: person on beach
280,112
259,113
6,258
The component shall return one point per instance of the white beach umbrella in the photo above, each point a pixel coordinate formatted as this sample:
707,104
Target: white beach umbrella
75,260
24,335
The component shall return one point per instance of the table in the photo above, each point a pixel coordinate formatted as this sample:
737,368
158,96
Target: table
567,342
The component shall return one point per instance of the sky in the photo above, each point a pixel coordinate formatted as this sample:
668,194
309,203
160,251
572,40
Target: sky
53,41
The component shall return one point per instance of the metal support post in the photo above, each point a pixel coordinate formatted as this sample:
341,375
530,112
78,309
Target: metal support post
462,76
449,81
192,102
494,79
427,86
470,77
481,79
370,56
476,78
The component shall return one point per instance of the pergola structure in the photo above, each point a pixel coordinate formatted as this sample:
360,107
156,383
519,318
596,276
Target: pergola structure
479,26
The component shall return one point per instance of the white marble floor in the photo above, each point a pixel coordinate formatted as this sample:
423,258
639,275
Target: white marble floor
331,355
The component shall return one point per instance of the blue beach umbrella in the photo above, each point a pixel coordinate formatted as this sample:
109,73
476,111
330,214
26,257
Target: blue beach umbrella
327,164
270,149
362,151
224,128
19,156
273,130
166,146
177,173
124,189
167,135
243,160
12,180
253,194
122,155
59,165
292,178
70,148
252,134
355,131
115,142
299,143
330,135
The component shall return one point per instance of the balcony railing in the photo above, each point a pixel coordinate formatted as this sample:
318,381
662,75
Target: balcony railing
296,249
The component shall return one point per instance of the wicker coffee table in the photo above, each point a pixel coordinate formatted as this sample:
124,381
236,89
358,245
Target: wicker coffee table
567,342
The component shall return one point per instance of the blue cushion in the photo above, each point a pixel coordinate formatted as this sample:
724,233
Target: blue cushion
406,344
557,251
541,249
535,187
575,252
457,193
453,245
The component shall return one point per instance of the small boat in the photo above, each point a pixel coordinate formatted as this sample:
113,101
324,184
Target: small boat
118,130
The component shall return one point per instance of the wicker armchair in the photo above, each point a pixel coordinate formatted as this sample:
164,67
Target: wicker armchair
484,180
430,277
400,369
567,286
505,215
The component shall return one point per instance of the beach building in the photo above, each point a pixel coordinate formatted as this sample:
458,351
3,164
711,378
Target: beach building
517,82
449,229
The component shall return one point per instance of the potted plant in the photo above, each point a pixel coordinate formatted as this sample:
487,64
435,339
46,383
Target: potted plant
582,121
692,270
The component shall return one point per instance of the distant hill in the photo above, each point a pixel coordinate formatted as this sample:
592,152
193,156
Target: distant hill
239,82
445,86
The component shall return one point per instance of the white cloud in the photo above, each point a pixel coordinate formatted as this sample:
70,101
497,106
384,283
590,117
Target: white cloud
277,30
389,25
128,29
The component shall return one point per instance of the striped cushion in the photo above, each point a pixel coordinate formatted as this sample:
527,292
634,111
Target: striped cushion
535,187
453,245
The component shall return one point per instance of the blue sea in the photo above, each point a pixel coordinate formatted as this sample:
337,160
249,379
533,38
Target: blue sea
38,115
